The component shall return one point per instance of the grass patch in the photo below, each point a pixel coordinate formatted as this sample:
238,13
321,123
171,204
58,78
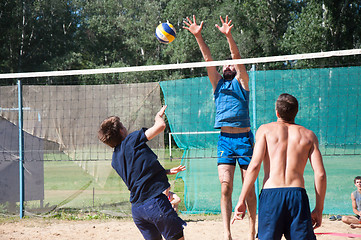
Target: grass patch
94,185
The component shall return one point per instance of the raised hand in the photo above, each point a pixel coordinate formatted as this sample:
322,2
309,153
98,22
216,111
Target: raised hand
161,112
226,26
192,26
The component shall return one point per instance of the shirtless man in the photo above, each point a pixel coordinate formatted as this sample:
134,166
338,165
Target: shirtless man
284,148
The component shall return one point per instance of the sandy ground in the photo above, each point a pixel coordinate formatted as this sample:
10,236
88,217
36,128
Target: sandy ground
198,228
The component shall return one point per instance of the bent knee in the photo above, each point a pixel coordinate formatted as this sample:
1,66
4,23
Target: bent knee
226,189
349,219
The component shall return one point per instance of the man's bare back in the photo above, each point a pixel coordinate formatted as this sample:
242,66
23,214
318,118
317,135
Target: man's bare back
284,148
288,147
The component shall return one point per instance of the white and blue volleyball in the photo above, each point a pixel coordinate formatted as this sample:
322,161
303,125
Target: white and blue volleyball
165,33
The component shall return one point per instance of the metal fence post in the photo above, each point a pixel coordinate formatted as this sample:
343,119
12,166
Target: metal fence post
21,149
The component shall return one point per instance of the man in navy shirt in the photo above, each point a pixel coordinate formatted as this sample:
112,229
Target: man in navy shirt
144,176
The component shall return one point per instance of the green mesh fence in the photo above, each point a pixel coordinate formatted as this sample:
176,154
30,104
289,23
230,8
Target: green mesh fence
330,105
329,99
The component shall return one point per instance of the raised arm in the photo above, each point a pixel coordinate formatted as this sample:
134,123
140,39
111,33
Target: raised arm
252,173
195,29
242,75
320,182
159,125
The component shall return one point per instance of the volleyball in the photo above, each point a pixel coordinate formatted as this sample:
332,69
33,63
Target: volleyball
165,33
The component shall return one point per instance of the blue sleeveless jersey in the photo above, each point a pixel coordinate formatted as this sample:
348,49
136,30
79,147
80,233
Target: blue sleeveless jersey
232,104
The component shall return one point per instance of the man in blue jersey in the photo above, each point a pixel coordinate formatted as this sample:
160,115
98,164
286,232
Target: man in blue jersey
231,93
355,221
144,176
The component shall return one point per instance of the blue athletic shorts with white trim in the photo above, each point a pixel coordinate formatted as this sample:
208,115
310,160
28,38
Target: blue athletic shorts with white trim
233,147
156,218
284,211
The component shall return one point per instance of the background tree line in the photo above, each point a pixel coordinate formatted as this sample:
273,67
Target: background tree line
48,35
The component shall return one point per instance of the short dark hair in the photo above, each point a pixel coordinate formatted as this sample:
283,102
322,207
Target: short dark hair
357,178
287,107
109,131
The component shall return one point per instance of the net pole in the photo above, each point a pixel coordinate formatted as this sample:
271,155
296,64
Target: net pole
253,81
21,150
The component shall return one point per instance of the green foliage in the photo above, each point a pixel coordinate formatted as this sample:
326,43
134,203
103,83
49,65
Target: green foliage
68,214
323,27
72,190
62,35
306,32
264,25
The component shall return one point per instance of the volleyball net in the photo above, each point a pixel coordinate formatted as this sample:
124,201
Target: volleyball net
67,167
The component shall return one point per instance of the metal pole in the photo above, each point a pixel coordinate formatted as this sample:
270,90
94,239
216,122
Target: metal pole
21,149
170,146
253,79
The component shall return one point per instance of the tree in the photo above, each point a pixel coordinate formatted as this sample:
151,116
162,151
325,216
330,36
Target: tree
324,26
343,23
78,34
11,15
265,23
35,33
306,32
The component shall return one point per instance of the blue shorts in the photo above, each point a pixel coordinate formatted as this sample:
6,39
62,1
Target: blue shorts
284,211
156,218
234,147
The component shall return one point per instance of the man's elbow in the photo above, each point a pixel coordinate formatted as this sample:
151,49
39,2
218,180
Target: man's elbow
321,176
253,169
